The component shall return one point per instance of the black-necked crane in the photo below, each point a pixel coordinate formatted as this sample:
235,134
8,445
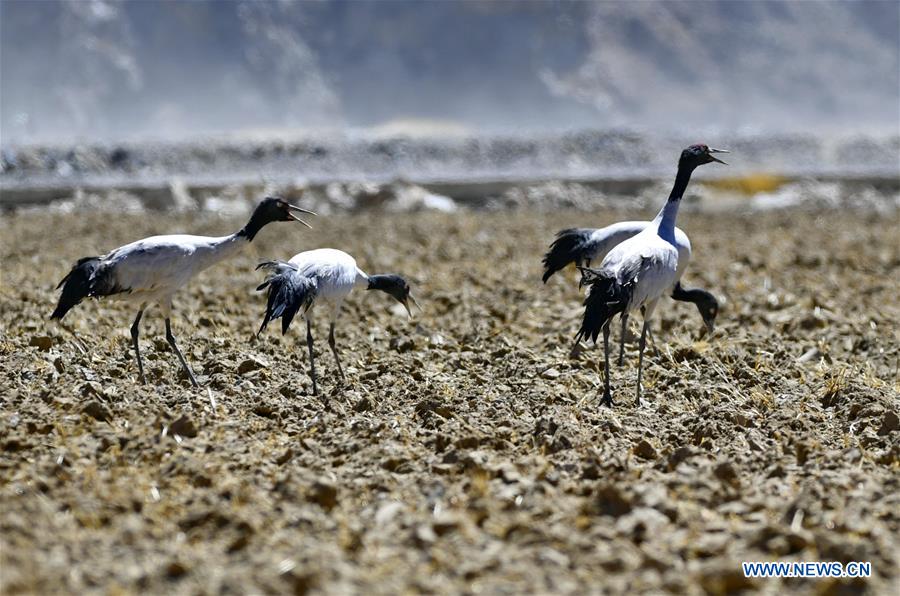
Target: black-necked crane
636,273
152,270
324,275
581,246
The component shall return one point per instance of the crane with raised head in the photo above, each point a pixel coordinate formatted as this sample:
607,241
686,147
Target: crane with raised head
582,246
636,273
322,276
152,270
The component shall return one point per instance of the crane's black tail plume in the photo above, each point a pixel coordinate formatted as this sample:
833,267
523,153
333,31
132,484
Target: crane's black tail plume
289,291
571,246
88,278
606,298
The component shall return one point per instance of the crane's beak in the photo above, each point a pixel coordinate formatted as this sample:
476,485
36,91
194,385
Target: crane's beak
405,303
300,210
710,325
712,157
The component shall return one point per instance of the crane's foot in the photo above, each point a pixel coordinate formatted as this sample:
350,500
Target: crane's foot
187,373
193,380
607,399
639,401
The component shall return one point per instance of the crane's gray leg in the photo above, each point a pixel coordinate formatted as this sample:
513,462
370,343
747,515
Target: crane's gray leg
312,364
606,400
646,326
622,339
334,350
653,342
135,331
171,339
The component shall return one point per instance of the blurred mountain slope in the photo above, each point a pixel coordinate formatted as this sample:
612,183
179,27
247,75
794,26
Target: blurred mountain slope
110,69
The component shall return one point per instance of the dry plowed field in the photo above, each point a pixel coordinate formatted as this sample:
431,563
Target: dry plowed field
467,452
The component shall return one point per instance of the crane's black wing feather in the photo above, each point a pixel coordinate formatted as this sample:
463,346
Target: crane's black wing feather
88,278
289,291
606,298
571,245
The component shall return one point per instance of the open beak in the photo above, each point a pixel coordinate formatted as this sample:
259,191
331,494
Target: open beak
714,158
300,210
405,303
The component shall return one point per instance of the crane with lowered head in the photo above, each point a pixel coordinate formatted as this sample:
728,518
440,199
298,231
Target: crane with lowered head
323,276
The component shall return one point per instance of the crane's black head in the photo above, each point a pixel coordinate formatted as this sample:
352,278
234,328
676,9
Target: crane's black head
269,210
394,285
708,307
697,155
705,302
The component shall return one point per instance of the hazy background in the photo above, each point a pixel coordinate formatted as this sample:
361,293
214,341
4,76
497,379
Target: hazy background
113,69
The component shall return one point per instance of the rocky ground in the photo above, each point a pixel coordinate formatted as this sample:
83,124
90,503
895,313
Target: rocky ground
467,452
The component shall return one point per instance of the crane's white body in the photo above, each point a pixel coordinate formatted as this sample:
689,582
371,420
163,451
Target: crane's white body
604,240
651,260
321,276
648,260
152,270
335,273
633,275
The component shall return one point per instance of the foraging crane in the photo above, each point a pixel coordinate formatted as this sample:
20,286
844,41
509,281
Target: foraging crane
151,270
636,273
322,275
583,245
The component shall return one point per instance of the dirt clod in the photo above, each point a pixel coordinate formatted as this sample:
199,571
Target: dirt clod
41,342
251,364
184,427
889,423
727,473
97,411
645,450
323,494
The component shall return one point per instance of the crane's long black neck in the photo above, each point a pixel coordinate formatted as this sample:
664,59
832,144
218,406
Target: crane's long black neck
705,302
252,227
695,295
669,212
681,181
